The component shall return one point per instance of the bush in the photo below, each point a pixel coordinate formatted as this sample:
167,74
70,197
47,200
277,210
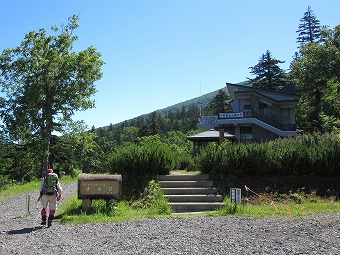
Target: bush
228,207
316,154
153,199
181,147
140,163
5,182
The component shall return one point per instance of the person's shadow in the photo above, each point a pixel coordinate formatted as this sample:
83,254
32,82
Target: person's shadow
23,230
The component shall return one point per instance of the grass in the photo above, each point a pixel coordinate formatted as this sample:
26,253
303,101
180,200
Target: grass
284,208
17,189
152,204
185,172
71,211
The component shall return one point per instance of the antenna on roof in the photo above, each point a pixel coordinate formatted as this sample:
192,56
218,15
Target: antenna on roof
200,103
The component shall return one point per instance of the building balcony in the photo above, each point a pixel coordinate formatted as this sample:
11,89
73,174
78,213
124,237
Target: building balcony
240,118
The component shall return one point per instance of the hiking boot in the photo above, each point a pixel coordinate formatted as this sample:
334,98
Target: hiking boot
49,223
43,220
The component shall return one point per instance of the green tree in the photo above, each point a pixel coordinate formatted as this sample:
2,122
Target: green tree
129,134
154,127
309,28
43,79
218,104
317,76
268,73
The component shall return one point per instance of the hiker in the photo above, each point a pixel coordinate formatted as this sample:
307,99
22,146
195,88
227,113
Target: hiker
50,193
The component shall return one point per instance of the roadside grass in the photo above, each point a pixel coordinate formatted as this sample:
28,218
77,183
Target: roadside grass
278,208
152,204
71,211
17,189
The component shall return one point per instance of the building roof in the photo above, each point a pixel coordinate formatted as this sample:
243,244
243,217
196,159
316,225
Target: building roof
210,135
285,95
288,89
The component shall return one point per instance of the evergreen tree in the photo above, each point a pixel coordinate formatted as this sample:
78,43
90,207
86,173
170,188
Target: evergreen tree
309,29
268,74
154,127
219,104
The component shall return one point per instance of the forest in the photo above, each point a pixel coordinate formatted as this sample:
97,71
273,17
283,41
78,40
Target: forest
40,96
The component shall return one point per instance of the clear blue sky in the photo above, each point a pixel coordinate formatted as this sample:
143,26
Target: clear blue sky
162,52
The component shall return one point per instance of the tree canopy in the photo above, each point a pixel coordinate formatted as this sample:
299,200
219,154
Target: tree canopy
317,74
309,28
44,81
268,73
219,104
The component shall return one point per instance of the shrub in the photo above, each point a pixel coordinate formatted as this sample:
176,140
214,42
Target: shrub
5,182
140,163
228,207
308,154
153,199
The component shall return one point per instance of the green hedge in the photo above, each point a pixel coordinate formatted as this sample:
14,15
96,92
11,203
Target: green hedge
140,163
316,154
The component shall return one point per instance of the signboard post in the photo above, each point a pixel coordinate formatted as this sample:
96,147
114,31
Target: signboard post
235,195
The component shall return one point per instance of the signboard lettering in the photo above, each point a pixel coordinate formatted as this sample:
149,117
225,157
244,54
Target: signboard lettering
99,188
231,115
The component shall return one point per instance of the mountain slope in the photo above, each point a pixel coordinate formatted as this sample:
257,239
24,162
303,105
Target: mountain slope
197,101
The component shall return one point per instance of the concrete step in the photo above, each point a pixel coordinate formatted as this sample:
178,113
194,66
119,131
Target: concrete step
194,198
195,207
183,177
185,184
189,191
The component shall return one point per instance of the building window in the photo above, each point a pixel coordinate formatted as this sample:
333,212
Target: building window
247,107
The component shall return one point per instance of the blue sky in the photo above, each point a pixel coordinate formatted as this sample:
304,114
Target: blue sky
162,52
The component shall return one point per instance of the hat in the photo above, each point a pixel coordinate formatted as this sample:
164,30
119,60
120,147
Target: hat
50,170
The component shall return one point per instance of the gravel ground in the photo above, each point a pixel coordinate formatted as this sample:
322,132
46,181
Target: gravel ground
20,234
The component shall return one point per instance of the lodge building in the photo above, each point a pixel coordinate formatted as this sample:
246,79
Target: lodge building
258,114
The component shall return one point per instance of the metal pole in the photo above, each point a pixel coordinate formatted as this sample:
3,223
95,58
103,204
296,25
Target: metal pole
28,198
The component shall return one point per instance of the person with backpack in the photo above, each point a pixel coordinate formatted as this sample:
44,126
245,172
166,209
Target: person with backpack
50,193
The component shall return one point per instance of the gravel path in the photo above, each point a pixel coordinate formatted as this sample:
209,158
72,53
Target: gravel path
200,235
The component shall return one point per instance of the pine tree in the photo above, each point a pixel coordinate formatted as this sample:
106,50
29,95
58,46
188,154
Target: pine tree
268,74
219,104
309,29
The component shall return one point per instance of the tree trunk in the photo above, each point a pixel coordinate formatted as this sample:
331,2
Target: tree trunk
47,143
48,122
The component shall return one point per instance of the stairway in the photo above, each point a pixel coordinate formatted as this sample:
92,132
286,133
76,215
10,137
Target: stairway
190,192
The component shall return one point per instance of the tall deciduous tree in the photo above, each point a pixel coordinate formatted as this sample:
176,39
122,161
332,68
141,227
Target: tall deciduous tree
43,80
268,73
309,28
317,75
